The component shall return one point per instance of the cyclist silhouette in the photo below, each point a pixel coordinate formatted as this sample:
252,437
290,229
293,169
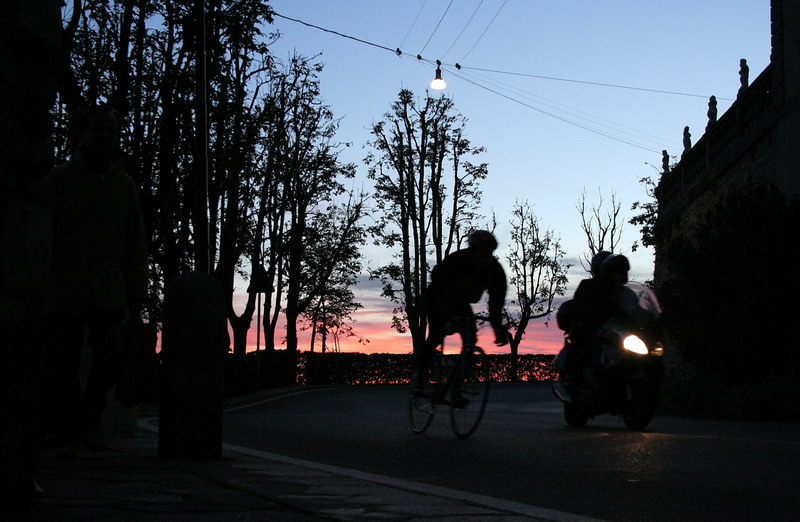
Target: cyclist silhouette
458,280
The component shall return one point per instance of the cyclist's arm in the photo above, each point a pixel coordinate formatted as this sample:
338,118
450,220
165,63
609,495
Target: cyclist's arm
497,294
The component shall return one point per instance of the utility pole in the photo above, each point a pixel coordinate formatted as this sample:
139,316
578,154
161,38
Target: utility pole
200,224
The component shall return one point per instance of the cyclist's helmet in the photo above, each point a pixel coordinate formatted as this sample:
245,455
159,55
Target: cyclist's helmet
615,264
482,240
597,262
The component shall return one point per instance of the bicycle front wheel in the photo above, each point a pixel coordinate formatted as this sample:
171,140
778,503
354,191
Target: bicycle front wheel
420,411
421,406
470,391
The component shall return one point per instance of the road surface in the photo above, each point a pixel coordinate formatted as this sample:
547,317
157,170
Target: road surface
524,452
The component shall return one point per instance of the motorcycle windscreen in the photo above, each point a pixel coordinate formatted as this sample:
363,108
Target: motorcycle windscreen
639,303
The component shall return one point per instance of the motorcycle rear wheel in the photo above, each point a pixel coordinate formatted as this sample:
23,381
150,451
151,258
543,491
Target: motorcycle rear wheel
575,415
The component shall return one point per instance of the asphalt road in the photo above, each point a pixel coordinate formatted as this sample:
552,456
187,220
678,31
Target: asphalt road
524,452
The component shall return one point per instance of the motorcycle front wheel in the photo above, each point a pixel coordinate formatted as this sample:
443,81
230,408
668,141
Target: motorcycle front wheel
639,410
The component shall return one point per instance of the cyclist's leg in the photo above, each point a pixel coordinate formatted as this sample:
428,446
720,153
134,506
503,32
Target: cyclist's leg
436,314
421,404
423,359
466,326
467,329
423,356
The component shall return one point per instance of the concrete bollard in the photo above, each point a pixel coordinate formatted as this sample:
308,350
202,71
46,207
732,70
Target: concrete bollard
193,347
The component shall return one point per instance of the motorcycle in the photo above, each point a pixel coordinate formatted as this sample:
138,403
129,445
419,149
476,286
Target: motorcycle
624,374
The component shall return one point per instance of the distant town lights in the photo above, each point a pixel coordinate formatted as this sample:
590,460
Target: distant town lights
438,83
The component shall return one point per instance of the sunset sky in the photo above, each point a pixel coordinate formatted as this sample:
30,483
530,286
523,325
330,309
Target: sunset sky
565,96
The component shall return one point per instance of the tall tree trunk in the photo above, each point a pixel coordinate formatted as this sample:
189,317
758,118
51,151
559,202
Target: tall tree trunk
240,325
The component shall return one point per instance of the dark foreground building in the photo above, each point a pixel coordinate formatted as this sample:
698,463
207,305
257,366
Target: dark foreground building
728,230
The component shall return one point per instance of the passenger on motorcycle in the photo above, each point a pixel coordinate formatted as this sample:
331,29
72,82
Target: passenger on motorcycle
594,303
458,280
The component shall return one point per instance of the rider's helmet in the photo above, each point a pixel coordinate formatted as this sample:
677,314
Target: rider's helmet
597,262
616,266
482,240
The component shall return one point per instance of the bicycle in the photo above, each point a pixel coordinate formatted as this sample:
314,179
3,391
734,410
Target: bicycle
459,381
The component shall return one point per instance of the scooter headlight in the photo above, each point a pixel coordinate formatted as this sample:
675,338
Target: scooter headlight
633,344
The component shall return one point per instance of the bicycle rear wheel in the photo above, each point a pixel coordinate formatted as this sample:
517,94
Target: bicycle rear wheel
470,391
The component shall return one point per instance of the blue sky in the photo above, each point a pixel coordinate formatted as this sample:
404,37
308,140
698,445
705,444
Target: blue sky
610,134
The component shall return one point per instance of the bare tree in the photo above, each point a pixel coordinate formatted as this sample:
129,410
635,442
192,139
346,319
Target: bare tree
421,161
538,274
330,265
331,301
601,225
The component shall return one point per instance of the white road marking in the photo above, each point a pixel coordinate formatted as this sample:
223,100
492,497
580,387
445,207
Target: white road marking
499,504
508,506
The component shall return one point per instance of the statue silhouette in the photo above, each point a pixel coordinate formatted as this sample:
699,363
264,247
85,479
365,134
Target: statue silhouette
712,112
687,140
744,76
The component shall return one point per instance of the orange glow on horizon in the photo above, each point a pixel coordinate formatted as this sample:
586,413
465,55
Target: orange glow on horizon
539,339
373,322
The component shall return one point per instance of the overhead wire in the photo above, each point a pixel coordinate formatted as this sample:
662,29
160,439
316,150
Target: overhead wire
565,120
435,28
460,68
337,33
414,23
585,82
484,31
462,30
597,120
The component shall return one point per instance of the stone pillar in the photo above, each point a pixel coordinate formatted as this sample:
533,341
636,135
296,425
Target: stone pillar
29,47
193,348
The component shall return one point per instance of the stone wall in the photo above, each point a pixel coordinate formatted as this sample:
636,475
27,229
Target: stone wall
757,141
728,231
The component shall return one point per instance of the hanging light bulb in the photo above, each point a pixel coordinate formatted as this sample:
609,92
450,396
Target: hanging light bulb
438,83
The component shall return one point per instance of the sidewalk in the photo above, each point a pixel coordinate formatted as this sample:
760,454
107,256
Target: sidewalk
130,482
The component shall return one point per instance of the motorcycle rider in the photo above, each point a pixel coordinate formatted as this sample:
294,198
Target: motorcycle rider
458,280
594,303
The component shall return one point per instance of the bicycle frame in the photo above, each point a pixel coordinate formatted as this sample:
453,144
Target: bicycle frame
460,381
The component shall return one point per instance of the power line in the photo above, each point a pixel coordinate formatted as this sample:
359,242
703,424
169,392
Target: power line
585,82
462,30
436,28
459,67
597,120
484,31
414,23
398,52
570,122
